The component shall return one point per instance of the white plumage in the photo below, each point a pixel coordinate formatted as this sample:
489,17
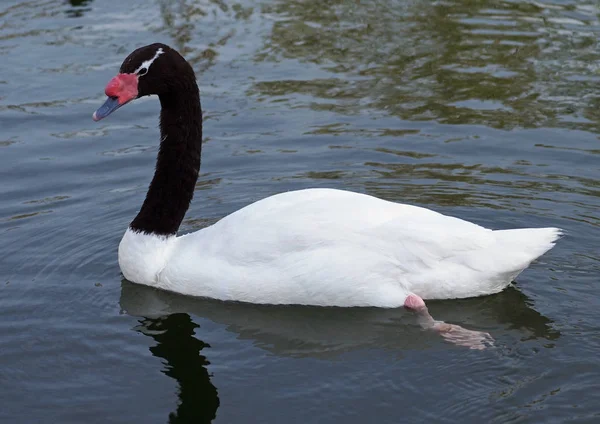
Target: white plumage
333,248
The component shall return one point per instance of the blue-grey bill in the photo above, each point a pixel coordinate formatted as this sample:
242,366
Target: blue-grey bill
110,105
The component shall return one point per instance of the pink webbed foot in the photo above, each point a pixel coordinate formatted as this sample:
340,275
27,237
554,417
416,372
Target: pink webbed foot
451,332
462,337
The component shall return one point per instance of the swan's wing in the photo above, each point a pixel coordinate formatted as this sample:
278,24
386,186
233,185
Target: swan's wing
308,224
306,219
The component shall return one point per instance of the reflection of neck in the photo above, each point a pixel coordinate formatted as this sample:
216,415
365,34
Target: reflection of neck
177,164
176,344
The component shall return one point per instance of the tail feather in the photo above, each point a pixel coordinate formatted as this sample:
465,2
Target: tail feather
525,245
487,269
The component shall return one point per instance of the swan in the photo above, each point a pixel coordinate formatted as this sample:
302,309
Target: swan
316,246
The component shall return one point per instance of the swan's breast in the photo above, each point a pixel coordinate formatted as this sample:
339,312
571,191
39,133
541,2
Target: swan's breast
143,256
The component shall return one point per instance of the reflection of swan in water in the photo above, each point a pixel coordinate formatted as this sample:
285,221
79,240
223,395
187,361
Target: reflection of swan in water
326,332
179,348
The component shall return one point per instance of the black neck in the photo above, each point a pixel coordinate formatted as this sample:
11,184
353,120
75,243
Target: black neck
177,165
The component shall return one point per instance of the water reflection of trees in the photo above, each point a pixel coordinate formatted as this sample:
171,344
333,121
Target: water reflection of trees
182,21
78,8
176,344
459,62
487,62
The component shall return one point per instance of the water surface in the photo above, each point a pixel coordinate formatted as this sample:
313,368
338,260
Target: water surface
485,110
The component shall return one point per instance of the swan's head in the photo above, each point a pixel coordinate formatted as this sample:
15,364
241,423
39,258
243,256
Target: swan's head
153,69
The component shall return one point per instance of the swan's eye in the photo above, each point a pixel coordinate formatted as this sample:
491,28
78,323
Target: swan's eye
141,72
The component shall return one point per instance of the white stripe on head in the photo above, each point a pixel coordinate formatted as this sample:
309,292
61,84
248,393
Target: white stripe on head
146,63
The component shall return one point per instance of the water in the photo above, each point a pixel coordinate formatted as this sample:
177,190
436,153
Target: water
486,110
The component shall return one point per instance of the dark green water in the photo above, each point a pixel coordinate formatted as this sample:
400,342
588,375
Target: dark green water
488,110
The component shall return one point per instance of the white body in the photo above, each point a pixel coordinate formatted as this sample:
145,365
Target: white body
333,248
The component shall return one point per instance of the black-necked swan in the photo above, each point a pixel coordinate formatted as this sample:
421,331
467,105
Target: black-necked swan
311,247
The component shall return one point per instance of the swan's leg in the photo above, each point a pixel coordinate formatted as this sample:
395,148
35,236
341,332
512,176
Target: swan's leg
451,332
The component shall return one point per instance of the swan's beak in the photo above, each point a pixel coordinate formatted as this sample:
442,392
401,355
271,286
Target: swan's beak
110,105
120,90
